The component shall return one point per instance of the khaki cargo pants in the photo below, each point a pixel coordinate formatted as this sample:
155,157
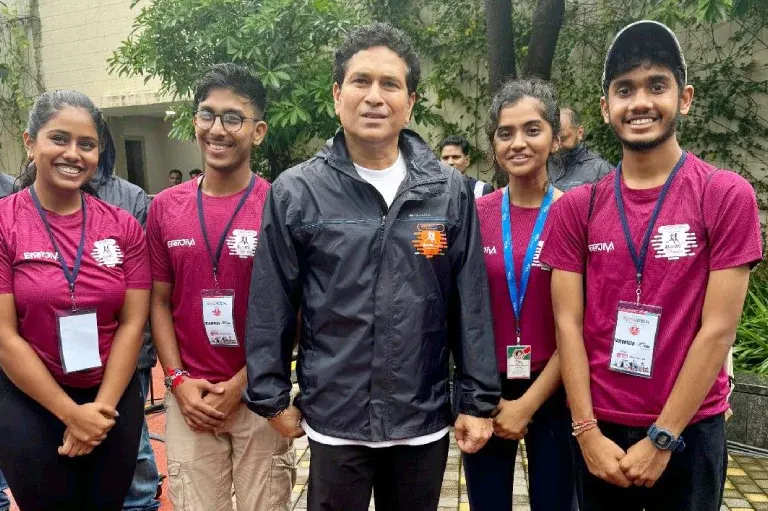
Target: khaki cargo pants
246,453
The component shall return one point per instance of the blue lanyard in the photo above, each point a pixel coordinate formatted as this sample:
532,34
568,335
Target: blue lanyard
71,276
215,257
639,259
516,296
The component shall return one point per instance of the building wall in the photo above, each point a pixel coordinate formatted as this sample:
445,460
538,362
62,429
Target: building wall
77,38
161,154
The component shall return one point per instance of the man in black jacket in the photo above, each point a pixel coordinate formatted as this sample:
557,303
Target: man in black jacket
377,244
575,165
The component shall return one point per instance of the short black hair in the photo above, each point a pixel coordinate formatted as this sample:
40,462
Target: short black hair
573,114
641,52
239,79
455,140
176,171
378,34
195,172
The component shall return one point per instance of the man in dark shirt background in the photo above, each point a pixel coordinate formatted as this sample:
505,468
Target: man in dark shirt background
454,151
574,164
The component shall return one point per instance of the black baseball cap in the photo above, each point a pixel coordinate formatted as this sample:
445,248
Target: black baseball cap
652,36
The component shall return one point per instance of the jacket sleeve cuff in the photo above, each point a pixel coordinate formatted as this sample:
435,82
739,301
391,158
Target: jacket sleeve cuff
268,408
482,409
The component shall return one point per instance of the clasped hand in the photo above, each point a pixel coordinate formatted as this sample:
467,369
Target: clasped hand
87,427
641,465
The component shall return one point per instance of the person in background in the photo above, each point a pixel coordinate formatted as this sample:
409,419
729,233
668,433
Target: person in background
454,151
74,298
6,188
194,173
118,192
574,164
175,177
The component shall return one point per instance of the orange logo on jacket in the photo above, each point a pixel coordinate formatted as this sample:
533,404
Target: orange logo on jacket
430,240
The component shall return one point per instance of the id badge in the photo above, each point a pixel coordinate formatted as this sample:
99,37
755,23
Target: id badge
519,362
634,339
78,340
218,317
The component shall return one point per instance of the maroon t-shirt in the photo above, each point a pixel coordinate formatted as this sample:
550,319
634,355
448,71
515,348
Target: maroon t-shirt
115,258
537,325
709,221
179,257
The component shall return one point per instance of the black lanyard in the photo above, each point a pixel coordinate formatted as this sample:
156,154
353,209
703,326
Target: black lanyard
639,259
70,275
215,257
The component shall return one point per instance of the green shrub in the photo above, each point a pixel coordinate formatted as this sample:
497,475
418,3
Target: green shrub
750,352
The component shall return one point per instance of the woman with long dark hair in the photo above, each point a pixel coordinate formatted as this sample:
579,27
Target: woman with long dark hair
523,127
74,298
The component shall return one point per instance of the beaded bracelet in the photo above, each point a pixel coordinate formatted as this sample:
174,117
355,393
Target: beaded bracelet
581,424
587,427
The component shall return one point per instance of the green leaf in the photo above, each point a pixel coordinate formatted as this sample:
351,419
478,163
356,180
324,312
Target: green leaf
713,11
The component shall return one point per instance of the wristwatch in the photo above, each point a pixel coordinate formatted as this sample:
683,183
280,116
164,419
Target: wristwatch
665,440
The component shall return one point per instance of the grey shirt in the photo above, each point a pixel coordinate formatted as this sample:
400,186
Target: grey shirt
570,169
125,195
6,184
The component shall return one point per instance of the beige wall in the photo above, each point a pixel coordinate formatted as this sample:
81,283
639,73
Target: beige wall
77,38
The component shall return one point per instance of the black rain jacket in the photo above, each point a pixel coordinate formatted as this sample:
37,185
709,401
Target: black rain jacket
384,293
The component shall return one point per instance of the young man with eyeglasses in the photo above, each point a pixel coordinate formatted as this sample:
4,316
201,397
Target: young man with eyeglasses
202,237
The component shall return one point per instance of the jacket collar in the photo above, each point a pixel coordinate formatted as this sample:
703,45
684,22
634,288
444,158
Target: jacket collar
574,155
421,161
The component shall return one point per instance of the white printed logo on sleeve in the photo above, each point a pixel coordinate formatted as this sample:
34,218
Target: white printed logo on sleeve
674,241
536,261
242,243
107,252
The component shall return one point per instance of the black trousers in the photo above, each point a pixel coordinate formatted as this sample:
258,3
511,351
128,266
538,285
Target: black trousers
694,479
402,478
490,471
41,479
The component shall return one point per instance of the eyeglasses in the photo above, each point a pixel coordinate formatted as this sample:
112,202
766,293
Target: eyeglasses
232,122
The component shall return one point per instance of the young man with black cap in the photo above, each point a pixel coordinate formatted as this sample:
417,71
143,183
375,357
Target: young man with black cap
662,246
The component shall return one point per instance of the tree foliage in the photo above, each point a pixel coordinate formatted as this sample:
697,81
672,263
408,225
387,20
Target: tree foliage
290,42
287,42
18,80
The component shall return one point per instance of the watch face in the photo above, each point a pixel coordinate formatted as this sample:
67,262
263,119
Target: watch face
663,439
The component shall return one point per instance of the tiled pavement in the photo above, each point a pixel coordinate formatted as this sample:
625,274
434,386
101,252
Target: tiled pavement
746,487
